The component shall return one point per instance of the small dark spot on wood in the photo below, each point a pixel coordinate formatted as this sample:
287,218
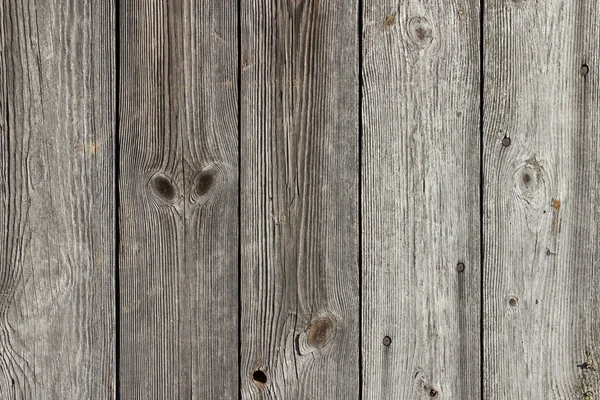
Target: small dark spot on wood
259,378
205,182
536,301
433,393
12,381
512,301
506,142
460,267
526,178
163,187
387,341
320,333
584,69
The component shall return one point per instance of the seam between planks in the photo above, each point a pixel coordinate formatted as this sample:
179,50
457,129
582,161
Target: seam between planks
360,197
481,199
239,202
117,156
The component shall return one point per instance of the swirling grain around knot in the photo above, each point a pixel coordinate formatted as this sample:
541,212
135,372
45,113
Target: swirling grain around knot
420,32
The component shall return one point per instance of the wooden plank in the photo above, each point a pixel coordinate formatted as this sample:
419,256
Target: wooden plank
542,169
57,258
179,199
421,252
299,200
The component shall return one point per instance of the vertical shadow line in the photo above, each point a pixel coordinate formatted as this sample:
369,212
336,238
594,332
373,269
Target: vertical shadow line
117,164
481,198
239,166
360,197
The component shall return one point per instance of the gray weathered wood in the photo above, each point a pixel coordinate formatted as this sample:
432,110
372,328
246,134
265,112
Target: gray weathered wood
299,199
179,204
57,257
421,200
542,213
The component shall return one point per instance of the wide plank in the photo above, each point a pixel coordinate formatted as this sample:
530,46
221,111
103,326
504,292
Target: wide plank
57,192
541,199
179,199
420,205
299,200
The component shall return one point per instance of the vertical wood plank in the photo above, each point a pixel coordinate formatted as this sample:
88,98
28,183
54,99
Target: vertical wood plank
542,170
57,258
299,200
179,199
421,252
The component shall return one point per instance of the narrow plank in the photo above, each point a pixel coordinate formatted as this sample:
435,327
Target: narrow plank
57,257
421,250
542,169
179,199
299,200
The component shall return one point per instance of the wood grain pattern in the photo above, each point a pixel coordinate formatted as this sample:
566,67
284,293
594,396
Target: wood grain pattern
57,257
542,302
179,204
421,200
299,200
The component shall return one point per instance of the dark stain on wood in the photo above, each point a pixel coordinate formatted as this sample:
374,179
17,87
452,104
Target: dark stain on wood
163,188
321,333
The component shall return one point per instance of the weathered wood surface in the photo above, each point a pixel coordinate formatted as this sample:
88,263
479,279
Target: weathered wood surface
299,200
317,235
420,172
179,199
57,210
542,213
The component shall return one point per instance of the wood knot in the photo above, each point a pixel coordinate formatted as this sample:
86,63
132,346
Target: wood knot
204,184
260,379
163,189
530,184
321,332
420,32
204,181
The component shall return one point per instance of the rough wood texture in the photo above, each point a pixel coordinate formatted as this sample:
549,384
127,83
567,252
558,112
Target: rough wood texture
57,314
421,200
179,204
299,192
542,213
